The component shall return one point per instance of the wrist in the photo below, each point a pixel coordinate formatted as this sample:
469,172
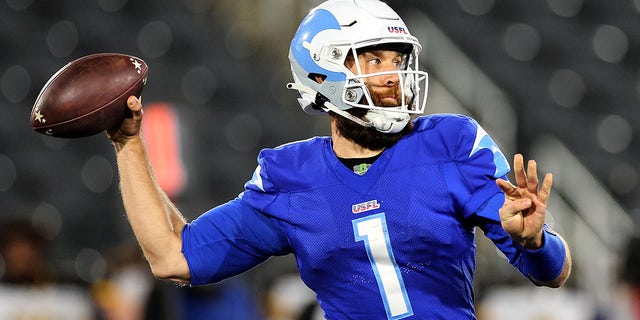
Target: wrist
534,242
126,141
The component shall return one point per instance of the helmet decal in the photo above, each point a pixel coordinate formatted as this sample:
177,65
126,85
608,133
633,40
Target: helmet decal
316,22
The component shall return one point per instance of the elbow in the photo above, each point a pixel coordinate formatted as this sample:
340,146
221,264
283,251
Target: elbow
554,284
172,267
564,275
160,271
164,271
566,268
557,283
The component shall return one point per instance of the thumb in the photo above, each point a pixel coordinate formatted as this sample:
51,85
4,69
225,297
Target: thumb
135,105
521,204
512,208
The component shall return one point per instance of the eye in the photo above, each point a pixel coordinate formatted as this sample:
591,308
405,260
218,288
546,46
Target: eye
374,61
400,62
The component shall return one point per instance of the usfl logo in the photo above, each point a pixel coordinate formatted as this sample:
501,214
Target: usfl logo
393,29
365,206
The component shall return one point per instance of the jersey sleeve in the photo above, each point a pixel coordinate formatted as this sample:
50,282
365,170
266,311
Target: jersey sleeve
478,162
543,264
228,240
240,234
260,192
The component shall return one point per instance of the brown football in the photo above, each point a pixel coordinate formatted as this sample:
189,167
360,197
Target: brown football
88,95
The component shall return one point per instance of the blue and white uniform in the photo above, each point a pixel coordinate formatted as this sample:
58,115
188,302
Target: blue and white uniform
397,242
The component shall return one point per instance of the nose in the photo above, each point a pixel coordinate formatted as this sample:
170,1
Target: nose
392,78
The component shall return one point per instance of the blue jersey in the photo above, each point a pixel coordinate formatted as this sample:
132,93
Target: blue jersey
397,242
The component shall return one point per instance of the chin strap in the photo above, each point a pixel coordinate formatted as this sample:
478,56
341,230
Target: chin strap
383,121
388,121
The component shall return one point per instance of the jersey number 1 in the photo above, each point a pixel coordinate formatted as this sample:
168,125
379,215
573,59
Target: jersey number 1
372,230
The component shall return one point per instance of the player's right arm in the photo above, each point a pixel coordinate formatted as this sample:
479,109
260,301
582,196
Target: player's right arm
156,222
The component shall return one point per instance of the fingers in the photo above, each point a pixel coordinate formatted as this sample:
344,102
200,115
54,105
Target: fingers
525,179
130,126
135,105
532,176
520,205
506,186
514,209
518,171
545,191
528,179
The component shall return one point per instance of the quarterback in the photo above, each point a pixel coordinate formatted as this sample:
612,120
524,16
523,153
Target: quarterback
382,214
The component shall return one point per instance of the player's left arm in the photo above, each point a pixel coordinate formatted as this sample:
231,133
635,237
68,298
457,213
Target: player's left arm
523,215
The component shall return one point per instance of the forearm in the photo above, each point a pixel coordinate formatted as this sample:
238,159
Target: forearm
549,265
155,221
564,274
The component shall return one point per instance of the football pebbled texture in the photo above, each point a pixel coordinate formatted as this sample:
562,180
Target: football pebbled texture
88,95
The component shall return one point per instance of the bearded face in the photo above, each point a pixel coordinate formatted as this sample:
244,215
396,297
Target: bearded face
384,89
369,137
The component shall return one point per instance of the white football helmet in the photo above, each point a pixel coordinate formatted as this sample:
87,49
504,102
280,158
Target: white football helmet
327,35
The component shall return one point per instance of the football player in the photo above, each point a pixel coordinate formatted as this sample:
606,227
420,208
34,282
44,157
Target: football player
380,215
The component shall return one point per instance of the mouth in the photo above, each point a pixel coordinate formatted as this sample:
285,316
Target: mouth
386,97
389,101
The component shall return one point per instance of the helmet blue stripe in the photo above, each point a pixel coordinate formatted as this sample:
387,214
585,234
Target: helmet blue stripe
313,24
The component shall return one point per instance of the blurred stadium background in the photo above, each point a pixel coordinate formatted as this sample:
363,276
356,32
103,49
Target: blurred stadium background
557,80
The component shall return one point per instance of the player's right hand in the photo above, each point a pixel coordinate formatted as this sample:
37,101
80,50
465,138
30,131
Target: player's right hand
130,127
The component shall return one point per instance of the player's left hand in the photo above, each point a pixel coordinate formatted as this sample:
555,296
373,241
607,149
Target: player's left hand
523,213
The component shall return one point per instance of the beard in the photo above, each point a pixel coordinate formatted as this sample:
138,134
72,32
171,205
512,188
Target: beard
369,137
